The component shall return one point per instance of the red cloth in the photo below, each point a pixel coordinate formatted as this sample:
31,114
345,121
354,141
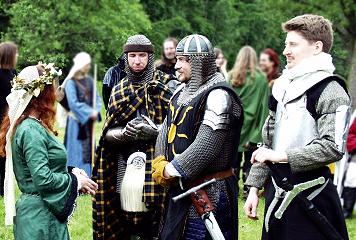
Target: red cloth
351,138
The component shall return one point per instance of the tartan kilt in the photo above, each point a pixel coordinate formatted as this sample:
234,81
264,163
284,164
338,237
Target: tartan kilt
125,99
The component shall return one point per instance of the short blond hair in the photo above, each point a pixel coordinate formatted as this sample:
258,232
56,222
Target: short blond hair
313,28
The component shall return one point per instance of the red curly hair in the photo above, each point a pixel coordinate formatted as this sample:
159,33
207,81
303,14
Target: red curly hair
43,105
273,57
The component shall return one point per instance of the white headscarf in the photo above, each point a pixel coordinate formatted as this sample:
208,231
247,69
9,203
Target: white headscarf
17,101
79,61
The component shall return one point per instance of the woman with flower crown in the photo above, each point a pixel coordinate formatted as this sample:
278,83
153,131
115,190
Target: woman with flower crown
37,160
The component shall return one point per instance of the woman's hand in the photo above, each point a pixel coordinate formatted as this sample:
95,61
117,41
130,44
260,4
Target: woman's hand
86,185
89,186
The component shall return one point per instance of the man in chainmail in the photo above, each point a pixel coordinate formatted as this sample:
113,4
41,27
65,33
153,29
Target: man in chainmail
129,203
197,143
303,133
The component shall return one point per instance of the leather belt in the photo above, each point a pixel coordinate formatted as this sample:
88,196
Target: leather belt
218,176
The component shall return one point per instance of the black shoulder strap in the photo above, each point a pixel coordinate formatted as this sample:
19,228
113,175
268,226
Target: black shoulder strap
313,94
272,103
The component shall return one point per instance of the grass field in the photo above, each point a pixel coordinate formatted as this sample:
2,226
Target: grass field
80,225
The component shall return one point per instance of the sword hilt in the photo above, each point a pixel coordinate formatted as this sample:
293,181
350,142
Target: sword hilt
193,190
294,193
324,226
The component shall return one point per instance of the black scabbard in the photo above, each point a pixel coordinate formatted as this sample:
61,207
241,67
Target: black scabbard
312,212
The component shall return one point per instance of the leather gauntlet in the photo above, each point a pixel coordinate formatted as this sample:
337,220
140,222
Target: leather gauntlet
158,165
118,135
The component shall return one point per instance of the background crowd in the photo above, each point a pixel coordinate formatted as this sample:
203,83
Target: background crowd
61,31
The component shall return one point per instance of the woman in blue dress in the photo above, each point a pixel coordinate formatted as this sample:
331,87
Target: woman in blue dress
82,115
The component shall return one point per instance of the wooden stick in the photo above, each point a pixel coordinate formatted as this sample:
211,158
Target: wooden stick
93,124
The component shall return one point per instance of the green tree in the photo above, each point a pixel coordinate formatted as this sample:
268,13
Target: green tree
56,30
229,24
215,19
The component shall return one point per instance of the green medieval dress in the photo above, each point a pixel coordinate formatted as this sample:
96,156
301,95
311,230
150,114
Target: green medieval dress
254,96
48,190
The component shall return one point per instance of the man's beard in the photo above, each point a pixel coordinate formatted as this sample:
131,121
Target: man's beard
170,61
183,78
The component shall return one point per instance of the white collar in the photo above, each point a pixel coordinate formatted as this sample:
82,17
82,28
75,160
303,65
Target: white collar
295,81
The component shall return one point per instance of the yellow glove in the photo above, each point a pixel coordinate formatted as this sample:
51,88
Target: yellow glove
158,165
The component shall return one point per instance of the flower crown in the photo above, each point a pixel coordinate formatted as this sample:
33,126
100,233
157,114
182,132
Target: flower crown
36,86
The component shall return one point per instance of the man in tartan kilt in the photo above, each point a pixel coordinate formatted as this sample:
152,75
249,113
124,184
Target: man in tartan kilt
128,202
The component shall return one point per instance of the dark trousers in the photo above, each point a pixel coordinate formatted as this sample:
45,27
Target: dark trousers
349,196
2,175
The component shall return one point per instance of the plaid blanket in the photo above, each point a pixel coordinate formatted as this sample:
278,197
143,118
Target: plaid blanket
125,99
